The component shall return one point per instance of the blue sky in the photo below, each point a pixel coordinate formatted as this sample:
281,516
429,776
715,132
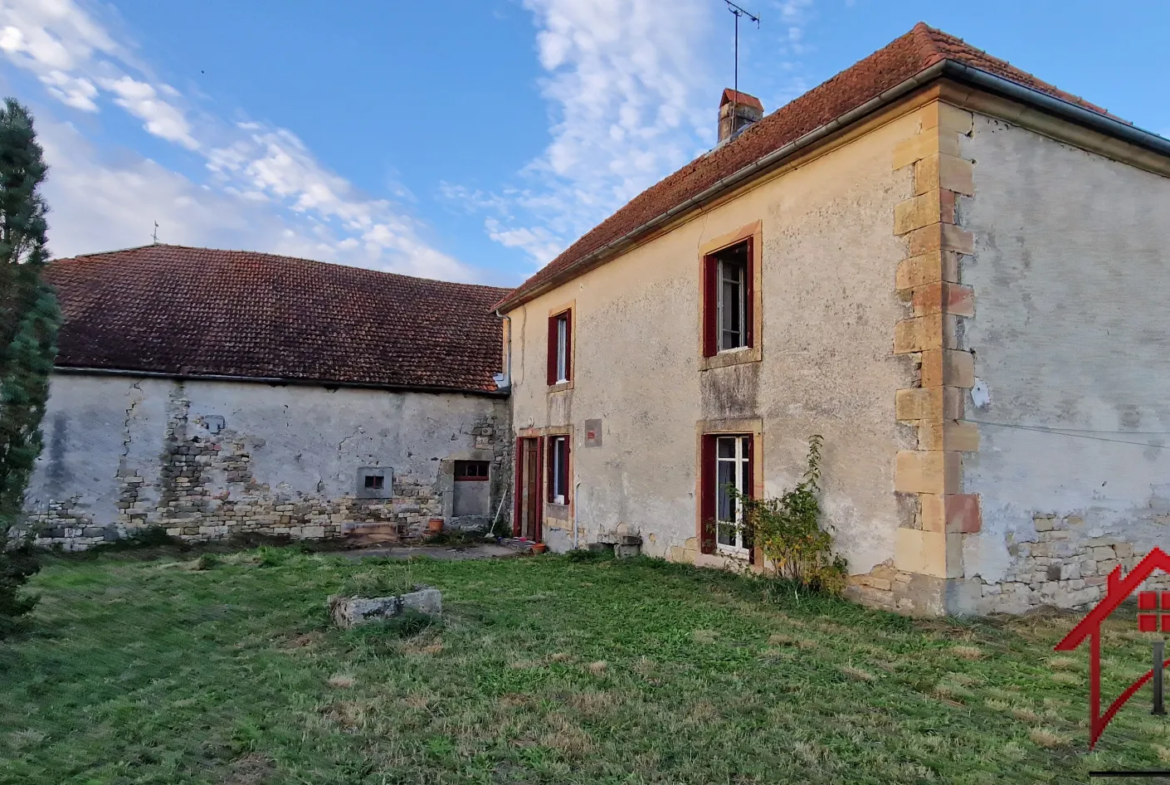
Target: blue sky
458,139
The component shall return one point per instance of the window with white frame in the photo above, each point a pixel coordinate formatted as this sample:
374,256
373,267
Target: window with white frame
563,348
558,470
732,302
732,470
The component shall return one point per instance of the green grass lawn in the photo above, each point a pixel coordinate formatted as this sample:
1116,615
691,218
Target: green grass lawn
544,670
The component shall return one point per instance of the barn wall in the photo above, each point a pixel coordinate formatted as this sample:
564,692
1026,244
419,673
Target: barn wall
206,459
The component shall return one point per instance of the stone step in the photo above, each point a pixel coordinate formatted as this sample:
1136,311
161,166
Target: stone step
377,527
374,539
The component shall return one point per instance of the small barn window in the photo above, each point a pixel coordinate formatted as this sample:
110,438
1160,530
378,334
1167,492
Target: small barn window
374,482
471,471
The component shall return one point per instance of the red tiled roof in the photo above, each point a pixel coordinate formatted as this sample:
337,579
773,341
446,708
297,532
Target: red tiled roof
199,312
902,59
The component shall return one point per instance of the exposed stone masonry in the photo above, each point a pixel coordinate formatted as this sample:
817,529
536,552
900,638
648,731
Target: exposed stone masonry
205,490
1063,566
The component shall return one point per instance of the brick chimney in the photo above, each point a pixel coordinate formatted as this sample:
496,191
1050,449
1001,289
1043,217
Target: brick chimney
736,112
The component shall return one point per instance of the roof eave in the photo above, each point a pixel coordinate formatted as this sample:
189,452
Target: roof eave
944,68
276,380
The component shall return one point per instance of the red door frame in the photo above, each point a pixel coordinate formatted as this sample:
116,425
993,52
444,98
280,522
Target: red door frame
537,443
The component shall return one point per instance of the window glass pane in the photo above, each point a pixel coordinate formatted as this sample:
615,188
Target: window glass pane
744,481
724,505
727,447
556,473
725,534
562,335
731,304
563,464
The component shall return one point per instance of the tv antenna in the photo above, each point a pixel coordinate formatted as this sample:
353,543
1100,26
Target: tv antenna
154,236
738,12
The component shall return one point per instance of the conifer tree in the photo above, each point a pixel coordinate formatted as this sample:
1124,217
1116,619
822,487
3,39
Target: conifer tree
28,333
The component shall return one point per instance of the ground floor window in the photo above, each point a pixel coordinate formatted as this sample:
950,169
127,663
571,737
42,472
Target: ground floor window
558,469
732,471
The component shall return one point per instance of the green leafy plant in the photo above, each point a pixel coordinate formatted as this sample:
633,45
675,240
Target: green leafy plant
788,531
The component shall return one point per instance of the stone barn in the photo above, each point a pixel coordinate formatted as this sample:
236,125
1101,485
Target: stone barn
218,392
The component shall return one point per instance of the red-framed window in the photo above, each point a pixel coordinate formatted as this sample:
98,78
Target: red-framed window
560,348
728,299
726,464
558,473
471,471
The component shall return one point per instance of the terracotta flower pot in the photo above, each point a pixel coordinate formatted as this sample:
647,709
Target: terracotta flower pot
539,547
435,526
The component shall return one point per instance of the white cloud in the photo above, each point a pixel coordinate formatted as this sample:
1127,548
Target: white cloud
536,242
73,91
266,190
631,97
101,204
633,94
161,118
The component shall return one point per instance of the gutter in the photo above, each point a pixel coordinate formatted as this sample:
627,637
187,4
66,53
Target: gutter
1056,106
947,68
274,380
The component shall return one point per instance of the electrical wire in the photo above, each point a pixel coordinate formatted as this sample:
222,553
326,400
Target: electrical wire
1076,433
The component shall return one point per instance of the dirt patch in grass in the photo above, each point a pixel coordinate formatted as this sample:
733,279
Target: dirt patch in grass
251,769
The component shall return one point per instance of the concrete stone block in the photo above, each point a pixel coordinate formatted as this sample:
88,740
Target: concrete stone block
927,268
928,553
948,367
922,145
348,612
946,118
944,171
948,434
933,207
940,237
937,331
943,296
955,513
928,472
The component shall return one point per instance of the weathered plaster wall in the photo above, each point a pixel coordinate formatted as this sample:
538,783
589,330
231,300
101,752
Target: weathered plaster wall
829,306
123,452
1071,337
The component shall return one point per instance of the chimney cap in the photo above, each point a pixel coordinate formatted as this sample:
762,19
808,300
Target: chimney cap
743,99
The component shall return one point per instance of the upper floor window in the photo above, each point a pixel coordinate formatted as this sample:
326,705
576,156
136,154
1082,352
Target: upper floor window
728,299
560,348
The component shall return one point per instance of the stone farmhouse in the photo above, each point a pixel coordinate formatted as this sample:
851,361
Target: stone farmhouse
220,392
954,272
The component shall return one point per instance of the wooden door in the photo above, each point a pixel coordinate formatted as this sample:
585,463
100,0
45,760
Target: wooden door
528,490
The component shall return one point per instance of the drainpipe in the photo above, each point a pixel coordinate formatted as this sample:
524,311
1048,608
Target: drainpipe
576,501
504,380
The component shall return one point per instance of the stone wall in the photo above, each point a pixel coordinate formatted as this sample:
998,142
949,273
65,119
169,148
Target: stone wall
1071,343
205,460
